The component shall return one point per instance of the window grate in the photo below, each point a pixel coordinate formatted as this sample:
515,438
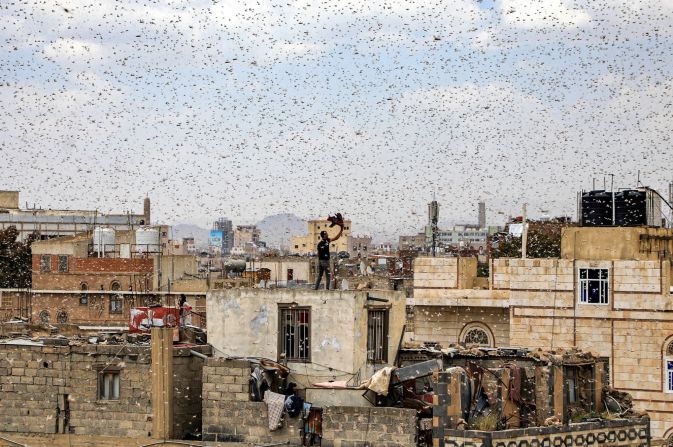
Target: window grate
108,385
295,324
45,263
63,264
377,336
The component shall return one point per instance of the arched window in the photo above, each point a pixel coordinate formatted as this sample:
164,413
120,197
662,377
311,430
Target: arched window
83,297
668,365
115,286
44,316
62,317
477,334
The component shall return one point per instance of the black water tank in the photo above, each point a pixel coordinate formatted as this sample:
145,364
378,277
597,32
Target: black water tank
631,208
596,208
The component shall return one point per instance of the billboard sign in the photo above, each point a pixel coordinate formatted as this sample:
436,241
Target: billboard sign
215,238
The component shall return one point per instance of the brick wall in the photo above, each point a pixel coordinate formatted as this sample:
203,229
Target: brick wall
228,415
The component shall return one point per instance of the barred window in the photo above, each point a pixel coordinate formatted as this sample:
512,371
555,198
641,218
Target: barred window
108,385
116,304
377,336
62,264
294,334
45,263
668,368
83,297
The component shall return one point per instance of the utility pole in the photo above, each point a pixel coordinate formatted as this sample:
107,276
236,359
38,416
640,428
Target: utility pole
524,232
612,193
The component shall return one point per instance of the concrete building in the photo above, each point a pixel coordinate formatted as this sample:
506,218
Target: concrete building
609,293
246,234
358,246
225,226
305,245
415,242
346,334
463,236
286,271
48,223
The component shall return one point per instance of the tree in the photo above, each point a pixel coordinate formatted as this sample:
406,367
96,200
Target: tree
15,260
540,245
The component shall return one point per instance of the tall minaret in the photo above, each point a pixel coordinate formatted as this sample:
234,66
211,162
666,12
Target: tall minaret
146,210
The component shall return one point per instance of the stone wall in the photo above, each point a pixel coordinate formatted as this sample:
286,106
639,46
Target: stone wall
55,389
229,415
445,324
360,427
187,389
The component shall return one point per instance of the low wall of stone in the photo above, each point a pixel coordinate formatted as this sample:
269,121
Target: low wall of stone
229,415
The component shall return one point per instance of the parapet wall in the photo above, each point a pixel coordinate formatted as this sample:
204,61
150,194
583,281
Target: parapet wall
229,415
621,432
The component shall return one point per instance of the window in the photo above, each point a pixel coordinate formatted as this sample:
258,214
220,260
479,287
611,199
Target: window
290,274
108,385
377,335
62,317
83,297
6,301
668,368
295,332
62,264
594,287
45,263
115,286
116,305
476,334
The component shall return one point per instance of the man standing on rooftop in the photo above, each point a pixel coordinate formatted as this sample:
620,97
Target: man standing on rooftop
323,250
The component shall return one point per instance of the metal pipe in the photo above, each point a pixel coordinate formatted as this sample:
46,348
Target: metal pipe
198,354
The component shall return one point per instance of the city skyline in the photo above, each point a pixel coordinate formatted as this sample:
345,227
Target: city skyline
228,109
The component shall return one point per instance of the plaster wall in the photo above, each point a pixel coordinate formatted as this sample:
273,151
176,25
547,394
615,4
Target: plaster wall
244,322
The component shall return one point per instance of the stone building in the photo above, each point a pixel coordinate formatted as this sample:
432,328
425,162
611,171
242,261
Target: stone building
53,387
305,245
610,293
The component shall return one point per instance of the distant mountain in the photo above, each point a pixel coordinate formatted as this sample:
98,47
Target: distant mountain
278,229
199,234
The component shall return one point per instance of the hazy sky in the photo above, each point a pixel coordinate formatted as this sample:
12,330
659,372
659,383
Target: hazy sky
249,108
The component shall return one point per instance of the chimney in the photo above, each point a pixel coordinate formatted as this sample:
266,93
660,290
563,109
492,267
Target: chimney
146,210
482,214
